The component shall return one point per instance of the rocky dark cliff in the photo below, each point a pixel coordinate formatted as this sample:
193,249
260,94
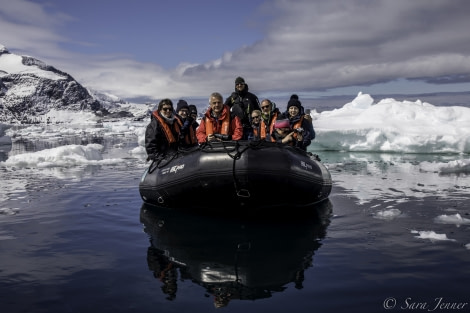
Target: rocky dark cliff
28,94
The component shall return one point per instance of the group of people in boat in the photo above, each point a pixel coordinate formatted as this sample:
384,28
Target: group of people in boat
240,117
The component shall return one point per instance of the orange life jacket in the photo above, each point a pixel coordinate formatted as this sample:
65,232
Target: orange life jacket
295,126
190,137
272,122
260,131
223,129
166,128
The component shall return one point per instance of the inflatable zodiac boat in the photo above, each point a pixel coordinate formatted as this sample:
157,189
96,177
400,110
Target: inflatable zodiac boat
236,174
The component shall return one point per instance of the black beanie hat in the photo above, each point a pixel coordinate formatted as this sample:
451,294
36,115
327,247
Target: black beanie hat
192,109
239,80
181,105
294,103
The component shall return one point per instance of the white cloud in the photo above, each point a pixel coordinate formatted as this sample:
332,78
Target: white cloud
307,46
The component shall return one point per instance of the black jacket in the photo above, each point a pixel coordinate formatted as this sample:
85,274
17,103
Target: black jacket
306,125
242,104
155,139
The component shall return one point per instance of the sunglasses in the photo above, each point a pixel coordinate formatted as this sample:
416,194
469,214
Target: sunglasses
240,84
265,107
167,109
257,116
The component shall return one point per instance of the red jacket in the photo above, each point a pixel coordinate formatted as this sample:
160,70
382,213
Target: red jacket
224,124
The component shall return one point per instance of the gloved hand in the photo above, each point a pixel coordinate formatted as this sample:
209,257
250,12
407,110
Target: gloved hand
234,97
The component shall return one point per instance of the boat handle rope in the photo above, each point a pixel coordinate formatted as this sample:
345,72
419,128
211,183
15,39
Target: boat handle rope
242,193
158,159
156,162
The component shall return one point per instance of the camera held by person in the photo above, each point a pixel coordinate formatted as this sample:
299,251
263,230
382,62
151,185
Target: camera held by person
223,137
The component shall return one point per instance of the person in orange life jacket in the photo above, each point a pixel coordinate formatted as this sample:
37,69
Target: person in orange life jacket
302,128
283,133
258,126
306,115
218,124
302,110
269,114
242,103
188,130
162,133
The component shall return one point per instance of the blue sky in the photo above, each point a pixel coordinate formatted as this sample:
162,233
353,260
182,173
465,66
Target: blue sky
158,49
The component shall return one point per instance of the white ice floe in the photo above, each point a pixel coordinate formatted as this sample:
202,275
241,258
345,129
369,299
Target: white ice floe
455,219
63,156
387,214
393,126
431,235
455,166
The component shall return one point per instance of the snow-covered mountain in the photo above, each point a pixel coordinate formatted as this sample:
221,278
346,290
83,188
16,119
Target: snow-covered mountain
29,89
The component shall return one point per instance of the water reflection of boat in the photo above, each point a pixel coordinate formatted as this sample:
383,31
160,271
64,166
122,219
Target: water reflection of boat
231,259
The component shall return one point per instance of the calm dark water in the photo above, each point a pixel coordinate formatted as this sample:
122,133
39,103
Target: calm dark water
86,243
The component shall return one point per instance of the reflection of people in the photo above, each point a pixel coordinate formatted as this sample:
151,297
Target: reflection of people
185,245
217,123
164,270
222,297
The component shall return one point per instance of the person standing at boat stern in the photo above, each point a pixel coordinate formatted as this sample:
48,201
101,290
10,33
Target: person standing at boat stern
302,127
242,103
163,132
218,124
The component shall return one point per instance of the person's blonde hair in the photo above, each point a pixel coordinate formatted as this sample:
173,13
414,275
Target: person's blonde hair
257,112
